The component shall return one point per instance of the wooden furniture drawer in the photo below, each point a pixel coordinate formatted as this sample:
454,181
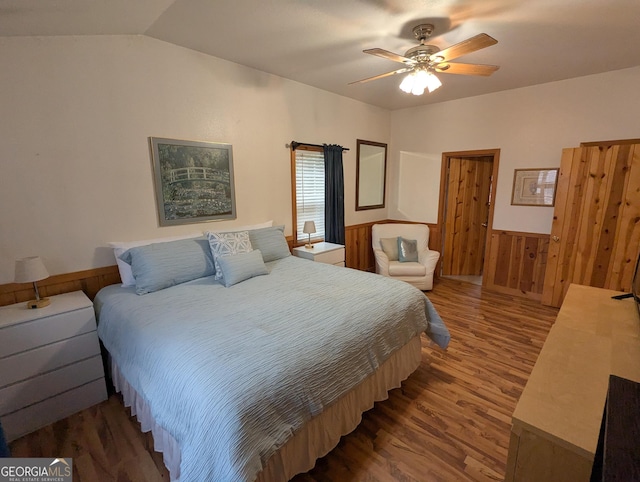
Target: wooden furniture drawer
47,385
49,357
39,414
43,331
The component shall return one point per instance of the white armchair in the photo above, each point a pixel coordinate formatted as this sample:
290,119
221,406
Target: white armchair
419,274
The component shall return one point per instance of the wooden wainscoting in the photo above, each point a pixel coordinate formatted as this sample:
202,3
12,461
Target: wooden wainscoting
90,281
358,252
517,263
358,248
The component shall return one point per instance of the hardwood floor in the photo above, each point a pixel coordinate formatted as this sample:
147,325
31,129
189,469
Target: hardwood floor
449,421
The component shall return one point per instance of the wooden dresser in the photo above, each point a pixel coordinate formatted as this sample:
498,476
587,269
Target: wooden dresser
557,420
50,363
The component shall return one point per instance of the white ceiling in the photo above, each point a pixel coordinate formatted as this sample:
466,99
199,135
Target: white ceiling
320,42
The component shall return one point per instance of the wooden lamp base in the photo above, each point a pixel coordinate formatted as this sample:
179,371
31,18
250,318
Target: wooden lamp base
40,303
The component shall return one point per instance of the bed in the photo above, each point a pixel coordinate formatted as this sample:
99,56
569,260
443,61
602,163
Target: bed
256,379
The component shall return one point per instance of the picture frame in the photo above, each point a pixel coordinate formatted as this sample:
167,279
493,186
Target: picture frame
193,181
371,174
534,187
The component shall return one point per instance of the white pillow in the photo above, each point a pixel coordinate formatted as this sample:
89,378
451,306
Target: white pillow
120,248
248,227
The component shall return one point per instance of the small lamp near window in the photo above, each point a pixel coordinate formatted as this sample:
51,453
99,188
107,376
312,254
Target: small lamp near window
309,228
30,270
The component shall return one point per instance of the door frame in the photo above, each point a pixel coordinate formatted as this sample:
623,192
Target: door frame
444,179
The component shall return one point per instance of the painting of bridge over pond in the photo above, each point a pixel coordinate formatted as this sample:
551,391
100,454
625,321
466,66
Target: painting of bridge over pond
193,181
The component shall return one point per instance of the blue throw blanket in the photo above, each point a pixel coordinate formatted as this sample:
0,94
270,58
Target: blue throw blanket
233,373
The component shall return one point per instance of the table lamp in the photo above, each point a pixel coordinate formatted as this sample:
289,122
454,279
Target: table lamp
309,228
30,270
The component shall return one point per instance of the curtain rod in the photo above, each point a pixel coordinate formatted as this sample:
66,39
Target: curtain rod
294,145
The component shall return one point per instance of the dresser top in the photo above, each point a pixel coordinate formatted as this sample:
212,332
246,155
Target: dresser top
321,247
64,303
594,336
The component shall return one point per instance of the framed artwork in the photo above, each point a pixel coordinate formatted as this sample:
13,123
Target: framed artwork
193,181
534,187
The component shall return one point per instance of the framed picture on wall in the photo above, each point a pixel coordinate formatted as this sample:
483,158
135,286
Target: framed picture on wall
193,181
534,187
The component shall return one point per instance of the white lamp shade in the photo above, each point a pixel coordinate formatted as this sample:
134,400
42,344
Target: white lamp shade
30,269
309,227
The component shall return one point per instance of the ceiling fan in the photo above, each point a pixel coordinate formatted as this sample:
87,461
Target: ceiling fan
423,61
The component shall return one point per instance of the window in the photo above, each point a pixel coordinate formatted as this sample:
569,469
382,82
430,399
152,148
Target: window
307,168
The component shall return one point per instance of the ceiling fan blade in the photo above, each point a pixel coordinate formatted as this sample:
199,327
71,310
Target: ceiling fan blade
385,54
465,47
467,69
375,77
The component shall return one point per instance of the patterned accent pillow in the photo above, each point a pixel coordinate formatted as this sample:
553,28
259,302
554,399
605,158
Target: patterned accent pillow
226,244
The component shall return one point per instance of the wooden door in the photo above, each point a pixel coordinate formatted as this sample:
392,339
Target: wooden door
468,192
595,235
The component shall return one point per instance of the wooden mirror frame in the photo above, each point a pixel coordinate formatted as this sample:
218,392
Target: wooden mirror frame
360,170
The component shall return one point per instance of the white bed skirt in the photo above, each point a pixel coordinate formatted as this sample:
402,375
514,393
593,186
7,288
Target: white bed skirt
316,439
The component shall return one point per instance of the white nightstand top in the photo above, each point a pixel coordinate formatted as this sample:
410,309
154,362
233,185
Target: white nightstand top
19,313
322,247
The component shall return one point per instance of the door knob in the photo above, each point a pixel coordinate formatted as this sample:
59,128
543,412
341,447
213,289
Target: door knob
484,225
556,239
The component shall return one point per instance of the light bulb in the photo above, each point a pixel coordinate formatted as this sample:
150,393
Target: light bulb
407,83
432,82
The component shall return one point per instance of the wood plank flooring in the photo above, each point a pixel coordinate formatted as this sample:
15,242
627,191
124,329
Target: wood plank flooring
449,421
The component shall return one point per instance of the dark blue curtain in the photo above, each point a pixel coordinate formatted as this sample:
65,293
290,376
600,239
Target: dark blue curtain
333,194
4,449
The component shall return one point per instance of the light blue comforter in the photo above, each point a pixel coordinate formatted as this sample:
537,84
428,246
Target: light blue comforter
232,373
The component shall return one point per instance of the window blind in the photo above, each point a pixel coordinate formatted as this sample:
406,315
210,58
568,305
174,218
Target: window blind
309,192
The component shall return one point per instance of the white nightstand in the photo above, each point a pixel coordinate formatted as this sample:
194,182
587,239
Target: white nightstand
322,253
50,363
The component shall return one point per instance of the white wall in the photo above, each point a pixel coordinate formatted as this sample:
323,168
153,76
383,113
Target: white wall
77,112
530,126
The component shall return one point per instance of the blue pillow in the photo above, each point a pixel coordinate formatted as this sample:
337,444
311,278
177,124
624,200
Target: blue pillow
407,250
271,243
161,265
240,267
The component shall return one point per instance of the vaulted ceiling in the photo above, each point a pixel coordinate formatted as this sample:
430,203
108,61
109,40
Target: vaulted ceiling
320,42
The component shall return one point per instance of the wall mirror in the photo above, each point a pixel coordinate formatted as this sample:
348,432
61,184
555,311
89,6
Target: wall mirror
371,169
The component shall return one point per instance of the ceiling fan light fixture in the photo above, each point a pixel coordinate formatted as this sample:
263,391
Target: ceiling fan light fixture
416,82
407,83
433,82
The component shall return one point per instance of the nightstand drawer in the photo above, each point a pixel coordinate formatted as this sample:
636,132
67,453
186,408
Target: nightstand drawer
50,362
31,363
43,331
335,256
328,253
37,389
56,408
